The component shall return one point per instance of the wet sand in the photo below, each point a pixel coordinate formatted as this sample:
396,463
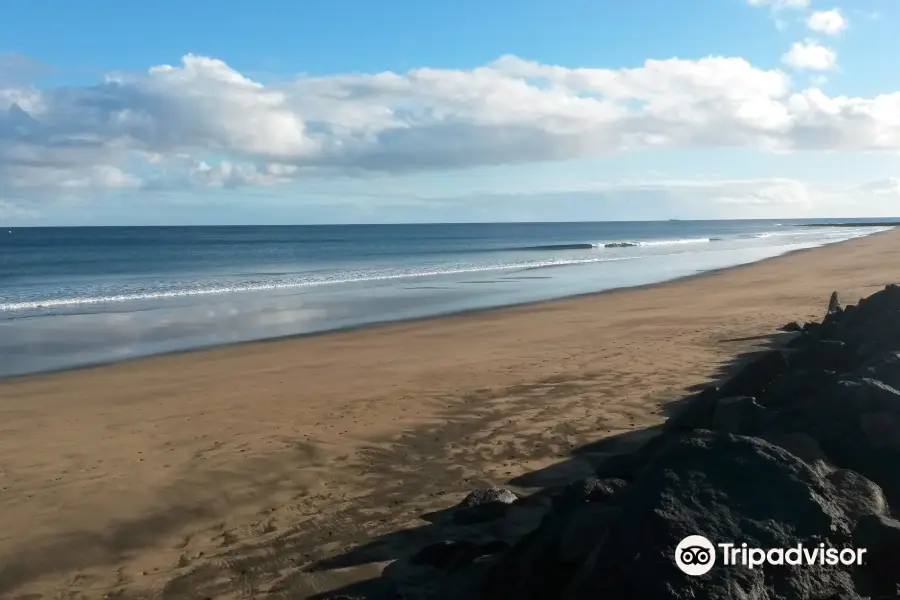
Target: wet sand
292,467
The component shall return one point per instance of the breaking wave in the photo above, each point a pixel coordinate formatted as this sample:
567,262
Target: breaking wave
290,283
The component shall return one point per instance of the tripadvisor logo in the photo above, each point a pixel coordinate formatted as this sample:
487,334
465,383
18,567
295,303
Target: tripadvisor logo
695,555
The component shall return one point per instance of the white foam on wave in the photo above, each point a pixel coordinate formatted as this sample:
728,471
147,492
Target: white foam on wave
675,242
293,283
798,232
825,232
650,243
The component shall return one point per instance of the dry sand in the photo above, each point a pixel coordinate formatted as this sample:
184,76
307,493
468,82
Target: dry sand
255,470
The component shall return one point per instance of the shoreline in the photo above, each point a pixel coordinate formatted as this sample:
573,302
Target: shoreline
294,467
374,325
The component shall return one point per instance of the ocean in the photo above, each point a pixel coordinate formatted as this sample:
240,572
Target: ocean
72,297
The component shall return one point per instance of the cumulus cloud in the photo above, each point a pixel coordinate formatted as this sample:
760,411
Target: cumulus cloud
810,55
201,123
829,22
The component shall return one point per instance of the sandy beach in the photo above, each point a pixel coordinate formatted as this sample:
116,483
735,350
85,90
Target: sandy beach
292,467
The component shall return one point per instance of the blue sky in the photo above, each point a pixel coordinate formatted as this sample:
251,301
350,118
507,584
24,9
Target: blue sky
301,112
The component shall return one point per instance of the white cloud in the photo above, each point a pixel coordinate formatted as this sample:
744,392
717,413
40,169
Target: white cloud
780,4
692,198
883,187
810,55
774,198
777,8
10,212
204,124
68,178
187,172
788,196
829,22
776,192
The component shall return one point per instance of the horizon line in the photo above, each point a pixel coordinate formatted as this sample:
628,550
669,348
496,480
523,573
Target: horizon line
432,223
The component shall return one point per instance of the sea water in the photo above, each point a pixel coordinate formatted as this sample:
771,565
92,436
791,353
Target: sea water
77,296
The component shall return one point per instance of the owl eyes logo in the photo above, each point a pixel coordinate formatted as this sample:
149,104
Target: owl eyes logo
695,555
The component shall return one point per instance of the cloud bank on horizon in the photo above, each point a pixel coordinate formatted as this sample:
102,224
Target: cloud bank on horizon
201,124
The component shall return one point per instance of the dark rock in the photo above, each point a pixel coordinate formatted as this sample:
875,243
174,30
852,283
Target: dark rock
860,496
830,355
802,340
696,412
833,317
793,327
874,326
834,304
876,337
831,403
455,554
493,547
884,368
484,505
803,447
811,327
840,418
880,537
540,565
879,304
856,395
726,488
740,414
882,429
590,489
756,378
797,387
484,496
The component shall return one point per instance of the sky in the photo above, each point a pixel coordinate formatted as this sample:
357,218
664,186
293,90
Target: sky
352,111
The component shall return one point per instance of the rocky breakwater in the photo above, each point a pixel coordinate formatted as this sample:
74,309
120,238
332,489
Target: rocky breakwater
800,447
